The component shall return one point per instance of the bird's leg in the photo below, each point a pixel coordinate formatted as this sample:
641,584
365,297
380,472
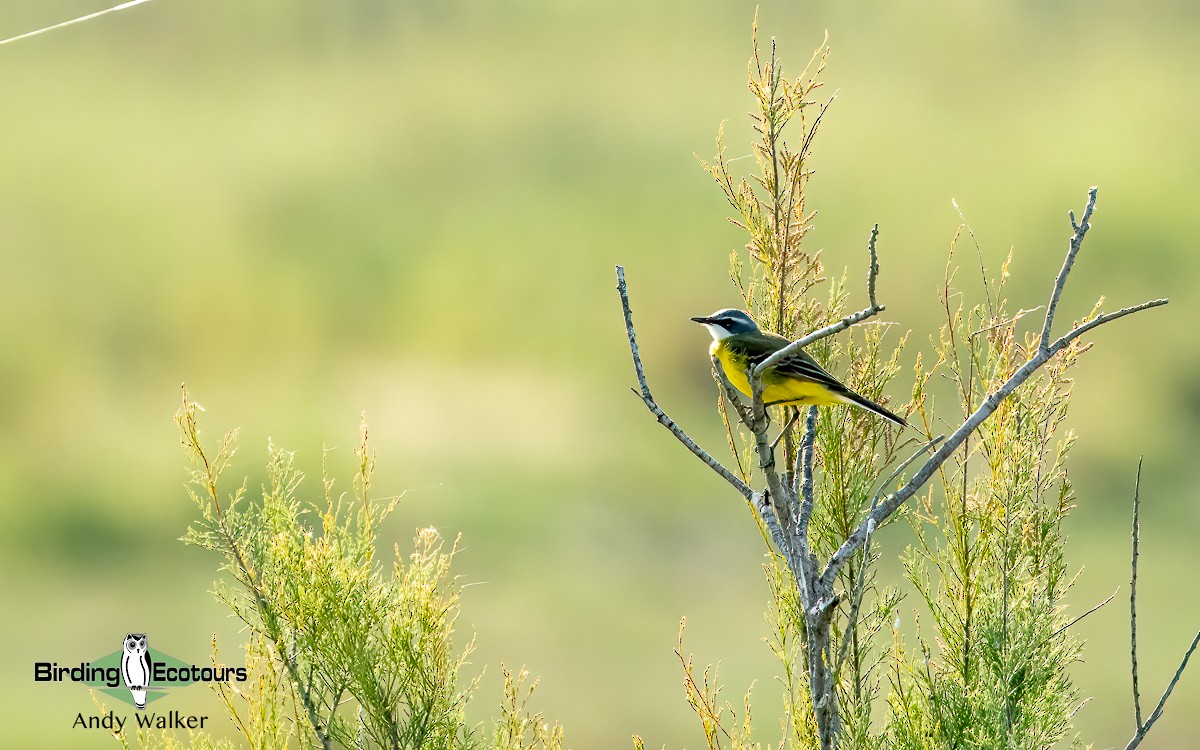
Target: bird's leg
791,421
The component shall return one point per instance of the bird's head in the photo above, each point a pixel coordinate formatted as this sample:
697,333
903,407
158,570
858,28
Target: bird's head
725,323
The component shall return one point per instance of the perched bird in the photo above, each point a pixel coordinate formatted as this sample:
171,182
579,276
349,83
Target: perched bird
797,380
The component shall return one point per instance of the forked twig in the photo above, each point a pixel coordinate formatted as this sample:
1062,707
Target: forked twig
654,408
993,399
1158,709
874,308
1143,728
757,500
1068,262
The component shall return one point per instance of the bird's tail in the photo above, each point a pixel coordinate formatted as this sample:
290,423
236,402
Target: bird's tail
853,398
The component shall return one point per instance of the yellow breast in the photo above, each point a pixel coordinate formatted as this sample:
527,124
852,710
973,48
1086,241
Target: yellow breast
778,390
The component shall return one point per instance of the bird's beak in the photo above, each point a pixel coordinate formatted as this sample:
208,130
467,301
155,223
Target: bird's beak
701,320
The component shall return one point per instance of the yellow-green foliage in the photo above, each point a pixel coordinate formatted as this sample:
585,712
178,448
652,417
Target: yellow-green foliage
344,649
518,727
988,561
770,203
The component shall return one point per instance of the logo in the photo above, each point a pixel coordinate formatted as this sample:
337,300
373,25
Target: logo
136,667
137,674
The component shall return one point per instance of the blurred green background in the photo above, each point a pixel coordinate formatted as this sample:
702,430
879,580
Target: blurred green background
308,210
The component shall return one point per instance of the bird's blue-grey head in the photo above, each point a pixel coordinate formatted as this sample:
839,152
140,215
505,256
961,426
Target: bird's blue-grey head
729,322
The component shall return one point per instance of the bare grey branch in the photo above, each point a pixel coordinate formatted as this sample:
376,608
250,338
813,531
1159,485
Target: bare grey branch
872,267
1144,728
1137,502
1080,230
633,347
657,411
852,319
985,409
1154,716
1100,320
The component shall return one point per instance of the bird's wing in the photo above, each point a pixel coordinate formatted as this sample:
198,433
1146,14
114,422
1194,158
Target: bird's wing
797,365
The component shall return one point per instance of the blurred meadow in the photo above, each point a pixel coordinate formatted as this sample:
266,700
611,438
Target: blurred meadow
412,209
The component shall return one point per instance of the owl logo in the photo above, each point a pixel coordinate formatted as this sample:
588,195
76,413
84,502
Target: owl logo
135,667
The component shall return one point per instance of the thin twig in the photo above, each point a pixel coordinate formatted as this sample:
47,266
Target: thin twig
633,347
696,450
964,224
757,499
985,409
925,448
872,267
654,408
1100,320
787,428
1137,698
1073,249
860,581
1144,728
808,139
852,319
1076,620
1142,731
74,21
1020,314
817,335
771,126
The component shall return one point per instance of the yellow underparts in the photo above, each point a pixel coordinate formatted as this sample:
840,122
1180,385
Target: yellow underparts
778,390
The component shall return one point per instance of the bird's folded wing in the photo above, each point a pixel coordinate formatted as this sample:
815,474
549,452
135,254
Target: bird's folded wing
796,365
801,365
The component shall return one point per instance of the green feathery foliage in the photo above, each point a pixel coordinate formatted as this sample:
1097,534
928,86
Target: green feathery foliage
988,561
346,649
369,654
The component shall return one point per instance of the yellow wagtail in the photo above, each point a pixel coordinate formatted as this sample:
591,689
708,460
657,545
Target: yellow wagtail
797,380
